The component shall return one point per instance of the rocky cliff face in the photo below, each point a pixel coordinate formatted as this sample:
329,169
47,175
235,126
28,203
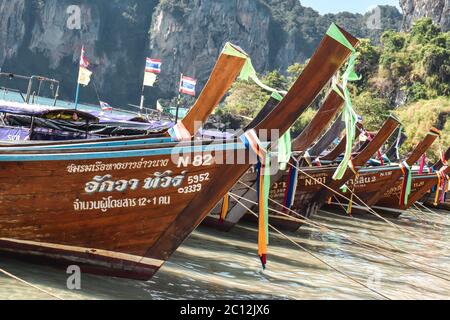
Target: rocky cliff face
43,37
437,10
189,41
188,35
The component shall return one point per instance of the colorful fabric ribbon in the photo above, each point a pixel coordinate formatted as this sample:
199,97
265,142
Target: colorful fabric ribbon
291,189
248,71
397,143
179,132
251,140
284,150
423,160
349,115
406,184
444,188
436,197
225,206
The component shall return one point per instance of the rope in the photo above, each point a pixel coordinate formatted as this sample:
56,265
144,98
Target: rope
369,209
429,210
313,255
325,228
6,273
398,249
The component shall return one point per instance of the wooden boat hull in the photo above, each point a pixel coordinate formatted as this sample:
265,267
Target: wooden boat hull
327,111
104,215
55,198
428,200
390,202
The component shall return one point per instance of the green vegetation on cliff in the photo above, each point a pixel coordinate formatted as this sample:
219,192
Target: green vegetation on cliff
408,73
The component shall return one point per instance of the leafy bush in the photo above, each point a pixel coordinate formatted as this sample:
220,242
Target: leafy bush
419,117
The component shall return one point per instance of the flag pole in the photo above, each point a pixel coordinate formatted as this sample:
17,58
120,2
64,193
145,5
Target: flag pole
77,94
142,99
178,99
78,79
142,92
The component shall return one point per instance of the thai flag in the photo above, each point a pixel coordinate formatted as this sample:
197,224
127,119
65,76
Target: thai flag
153,65
84,63
187,85
105,106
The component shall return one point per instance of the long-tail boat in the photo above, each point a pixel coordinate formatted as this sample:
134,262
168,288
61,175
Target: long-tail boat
430,198
124,211
339,148
327,138
324,115
310,192
227,68
372,183
307,188
392,152
421,186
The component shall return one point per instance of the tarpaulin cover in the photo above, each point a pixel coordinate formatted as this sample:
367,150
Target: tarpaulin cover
14,134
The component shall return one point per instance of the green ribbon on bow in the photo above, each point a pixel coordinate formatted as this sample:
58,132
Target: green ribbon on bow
335,33
248,71
284,149
349,115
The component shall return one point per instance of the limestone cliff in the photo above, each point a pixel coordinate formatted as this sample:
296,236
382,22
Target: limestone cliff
437,10
39,37
45,38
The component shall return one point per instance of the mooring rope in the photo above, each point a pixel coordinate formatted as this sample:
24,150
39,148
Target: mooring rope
312,254
400,250
356,241
10,275
371,233
431,211
416,213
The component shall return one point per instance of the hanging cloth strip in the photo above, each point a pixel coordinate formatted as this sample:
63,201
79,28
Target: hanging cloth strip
397,143
349,115
179,132
344,188
307,158
423,160
380,157
444,187
291,184
250,139
406,184
447,186
249,72
225,206
350,202
436,197
355,181
284,150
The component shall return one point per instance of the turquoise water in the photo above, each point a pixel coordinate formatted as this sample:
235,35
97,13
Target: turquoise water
217,265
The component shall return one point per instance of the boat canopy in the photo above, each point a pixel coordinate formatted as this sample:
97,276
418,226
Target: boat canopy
46,112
